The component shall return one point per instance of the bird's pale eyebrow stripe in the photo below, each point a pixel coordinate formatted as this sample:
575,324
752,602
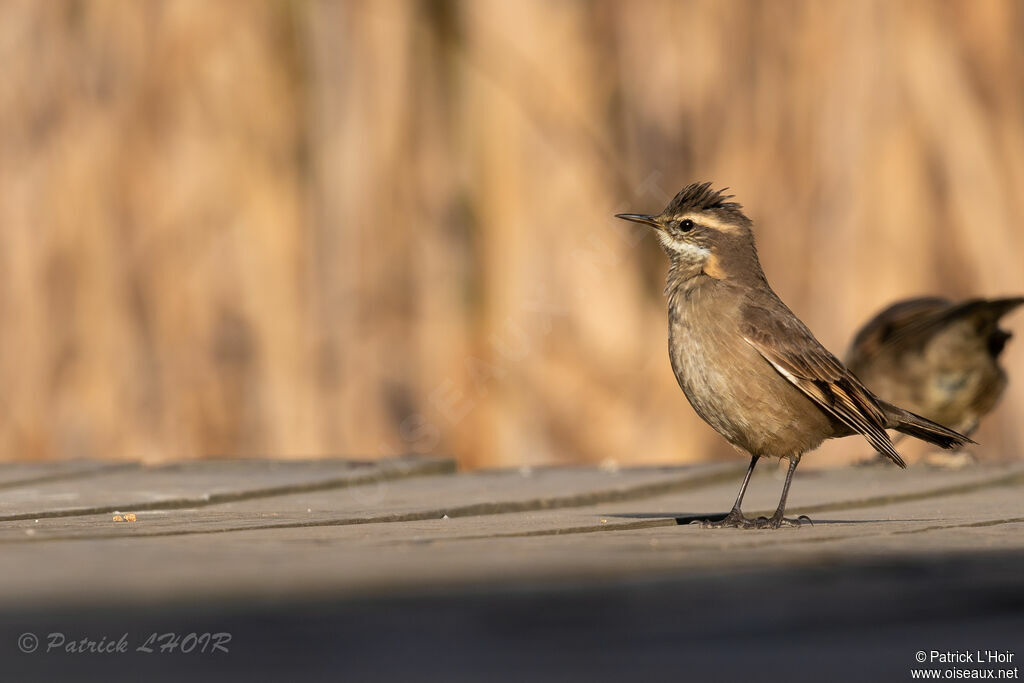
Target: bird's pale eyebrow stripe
709,221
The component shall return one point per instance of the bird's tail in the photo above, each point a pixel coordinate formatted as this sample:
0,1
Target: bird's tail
1003,306
922,428
997,336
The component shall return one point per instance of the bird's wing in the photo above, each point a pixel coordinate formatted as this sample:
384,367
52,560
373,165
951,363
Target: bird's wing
903,324
789,346
912,323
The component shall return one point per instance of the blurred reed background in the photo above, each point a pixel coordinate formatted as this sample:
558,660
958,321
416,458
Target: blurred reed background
366,228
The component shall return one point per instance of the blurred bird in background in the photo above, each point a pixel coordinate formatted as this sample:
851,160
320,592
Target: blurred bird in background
937,358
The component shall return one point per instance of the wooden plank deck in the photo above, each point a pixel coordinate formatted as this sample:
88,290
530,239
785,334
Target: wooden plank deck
407,570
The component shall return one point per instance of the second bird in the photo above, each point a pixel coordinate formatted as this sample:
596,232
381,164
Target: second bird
937,357
746,363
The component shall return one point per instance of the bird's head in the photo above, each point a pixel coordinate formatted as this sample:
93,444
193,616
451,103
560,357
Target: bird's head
704,233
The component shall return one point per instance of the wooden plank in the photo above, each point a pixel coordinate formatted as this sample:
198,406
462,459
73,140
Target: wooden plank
13,475
562,565
797,625
429,497
357,561
604,500
637,536
863,620
202,483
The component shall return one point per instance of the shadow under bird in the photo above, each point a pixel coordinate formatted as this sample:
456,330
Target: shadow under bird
936,357
746,363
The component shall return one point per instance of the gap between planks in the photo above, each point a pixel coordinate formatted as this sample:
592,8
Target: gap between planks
424,468
66,475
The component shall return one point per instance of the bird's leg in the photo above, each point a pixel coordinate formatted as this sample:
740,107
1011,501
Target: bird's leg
777,520
735,517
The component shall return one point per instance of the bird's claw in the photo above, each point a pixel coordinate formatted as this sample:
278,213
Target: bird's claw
778,521
734,520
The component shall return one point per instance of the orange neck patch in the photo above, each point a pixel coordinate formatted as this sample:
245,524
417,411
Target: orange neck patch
713,267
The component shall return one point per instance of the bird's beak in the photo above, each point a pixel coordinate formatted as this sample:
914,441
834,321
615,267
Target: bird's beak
640,218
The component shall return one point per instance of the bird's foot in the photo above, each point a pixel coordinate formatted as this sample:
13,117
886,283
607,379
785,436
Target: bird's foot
734,520
777,521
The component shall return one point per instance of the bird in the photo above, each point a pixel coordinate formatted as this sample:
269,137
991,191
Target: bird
748,366
936,357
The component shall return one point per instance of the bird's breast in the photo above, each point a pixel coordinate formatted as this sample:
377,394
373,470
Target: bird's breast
732,387
709,357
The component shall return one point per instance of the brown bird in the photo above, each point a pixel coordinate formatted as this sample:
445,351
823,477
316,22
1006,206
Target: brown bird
748,366
936,357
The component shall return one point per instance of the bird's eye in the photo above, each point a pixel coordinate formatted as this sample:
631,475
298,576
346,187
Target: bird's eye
686,226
